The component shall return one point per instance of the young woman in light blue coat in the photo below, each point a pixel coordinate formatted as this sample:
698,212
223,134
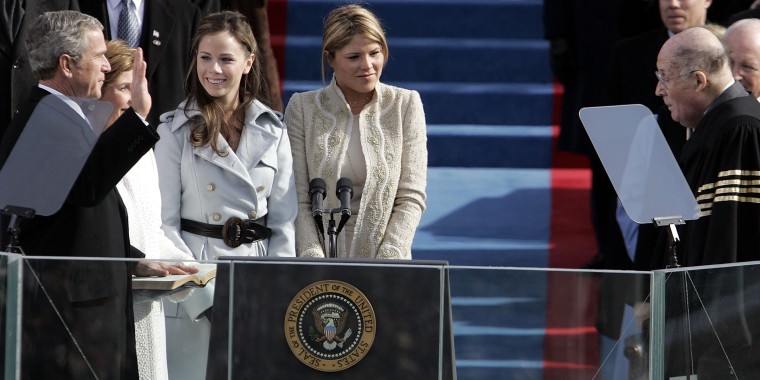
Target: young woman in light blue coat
225,174
223,154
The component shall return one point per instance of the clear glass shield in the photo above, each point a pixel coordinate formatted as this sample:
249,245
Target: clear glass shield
706,322
521,323
639,162
51,152
10,314
506,323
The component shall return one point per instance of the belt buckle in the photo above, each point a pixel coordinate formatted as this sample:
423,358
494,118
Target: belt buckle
232,232
237,231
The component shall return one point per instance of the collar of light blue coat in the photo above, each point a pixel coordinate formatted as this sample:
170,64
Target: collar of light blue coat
263,128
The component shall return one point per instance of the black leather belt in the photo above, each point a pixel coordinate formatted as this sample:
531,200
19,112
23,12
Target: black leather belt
234,231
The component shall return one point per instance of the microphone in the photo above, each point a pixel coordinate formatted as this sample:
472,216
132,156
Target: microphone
317,192
344,191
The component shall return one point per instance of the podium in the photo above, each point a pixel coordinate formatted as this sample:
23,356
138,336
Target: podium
296,318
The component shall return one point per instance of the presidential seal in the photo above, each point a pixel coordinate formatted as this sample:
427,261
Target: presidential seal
330,325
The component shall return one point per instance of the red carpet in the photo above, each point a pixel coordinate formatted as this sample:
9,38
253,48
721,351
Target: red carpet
277,14
571,241
571,346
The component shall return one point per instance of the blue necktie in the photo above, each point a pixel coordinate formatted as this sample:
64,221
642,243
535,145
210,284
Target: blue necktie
127,29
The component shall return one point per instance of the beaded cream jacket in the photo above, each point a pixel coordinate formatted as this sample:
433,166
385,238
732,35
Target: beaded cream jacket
394,143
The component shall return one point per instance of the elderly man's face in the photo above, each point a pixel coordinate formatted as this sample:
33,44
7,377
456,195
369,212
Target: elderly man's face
681,15
88,73
744,55
677,87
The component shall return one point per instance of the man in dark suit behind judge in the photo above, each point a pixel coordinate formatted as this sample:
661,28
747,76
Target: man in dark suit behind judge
166,29
631,80
93,299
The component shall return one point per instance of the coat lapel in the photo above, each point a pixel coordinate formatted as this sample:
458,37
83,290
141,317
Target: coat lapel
12,13
254,142
157,30
230,162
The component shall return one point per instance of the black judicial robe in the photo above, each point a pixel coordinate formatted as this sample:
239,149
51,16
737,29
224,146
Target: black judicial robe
94,298
721,163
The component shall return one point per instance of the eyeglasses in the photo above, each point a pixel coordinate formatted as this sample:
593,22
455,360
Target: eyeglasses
665,81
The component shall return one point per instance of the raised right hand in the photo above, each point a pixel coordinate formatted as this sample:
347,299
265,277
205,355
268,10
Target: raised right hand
141,100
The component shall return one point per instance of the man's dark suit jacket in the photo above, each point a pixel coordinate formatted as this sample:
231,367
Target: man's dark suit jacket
166,38
94,298
749,13
630,77
631,80
17,77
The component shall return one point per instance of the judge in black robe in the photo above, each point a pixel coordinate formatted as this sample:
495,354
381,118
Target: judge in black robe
721,163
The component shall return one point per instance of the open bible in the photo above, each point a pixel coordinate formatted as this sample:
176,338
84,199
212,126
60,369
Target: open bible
206,272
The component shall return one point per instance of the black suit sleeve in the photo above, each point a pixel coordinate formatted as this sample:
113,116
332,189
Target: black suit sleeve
116,151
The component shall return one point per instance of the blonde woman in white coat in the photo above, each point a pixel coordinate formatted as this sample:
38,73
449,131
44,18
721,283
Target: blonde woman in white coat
361,129
224,165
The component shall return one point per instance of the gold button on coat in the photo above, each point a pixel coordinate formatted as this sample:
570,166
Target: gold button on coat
210,186
260,188
217,216
252,215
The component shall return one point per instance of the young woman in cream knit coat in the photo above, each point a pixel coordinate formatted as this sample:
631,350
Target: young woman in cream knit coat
369,132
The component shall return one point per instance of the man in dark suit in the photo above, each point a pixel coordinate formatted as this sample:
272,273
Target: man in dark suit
17,78
742,40
165,37
630,81
16,15
77,315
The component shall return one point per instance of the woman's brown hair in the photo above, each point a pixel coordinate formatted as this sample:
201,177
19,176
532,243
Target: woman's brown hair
251,87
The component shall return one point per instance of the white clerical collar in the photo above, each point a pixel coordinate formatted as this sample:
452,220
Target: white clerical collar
729,85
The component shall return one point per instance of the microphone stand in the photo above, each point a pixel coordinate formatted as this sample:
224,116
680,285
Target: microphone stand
333,231
332,235
344,193
673,239
15,212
